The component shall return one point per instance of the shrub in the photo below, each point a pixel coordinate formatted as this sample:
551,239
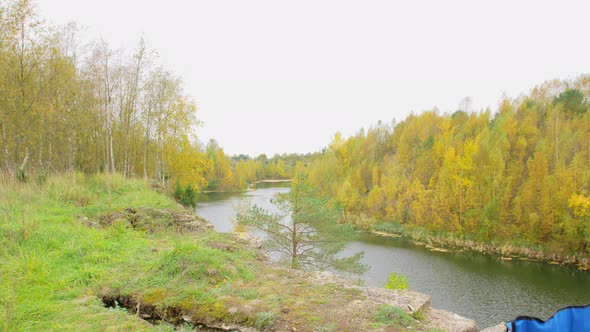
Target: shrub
397,281
178,192
186,196
21,176
190,196
41,179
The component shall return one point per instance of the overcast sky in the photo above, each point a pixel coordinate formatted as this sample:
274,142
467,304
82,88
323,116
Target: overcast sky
283,76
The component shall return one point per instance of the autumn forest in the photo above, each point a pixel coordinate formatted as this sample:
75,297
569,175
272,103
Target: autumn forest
518,173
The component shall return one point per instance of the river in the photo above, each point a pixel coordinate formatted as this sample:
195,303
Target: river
473,285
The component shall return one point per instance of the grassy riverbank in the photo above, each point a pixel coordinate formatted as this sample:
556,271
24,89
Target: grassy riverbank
75,245
437,241
53,266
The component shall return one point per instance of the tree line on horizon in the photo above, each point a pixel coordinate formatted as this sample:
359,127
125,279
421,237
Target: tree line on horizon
227,173
520,174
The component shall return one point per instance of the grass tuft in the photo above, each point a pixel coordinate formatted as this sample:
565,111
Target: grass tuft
419,315
265,319
393,316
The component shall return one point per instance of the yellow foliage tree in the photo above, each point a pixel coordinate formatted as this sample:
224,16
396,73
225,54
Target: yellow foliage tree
580,205
186,164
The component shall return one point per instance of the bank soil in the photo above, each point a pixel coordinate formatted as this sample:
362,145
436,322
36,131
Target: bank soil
503,252
152,220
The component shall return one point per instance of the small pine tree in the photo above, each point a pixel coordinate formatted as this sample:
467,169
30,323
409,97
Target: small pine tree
190,196
178,192
186,196
311,238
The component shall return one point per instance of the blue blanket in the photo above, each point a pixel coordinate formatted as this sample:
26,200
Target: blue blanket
569,319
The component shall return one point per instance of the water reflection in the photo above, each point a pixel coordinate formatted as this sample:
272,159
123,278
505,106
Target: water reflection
473,285
220,207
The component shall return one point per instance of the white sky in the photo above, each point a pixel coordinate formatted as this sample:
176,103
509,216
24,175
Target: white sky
273,76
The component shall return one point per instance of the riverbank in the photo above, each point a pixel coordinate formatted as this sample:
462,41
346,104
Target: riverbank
272,181
95,253
505,251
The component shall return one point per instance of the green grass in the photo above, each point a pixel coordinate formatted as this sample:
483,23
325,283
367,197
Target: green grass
249,294
265,319
419,315
51,262
53,267
394,317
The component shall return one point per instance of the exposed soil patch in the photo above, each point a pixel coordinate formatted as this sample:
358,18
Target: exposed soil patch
172,315
151,220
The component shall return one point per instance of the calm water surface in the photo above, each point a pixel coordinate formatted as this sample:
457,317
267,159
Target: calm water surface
472,285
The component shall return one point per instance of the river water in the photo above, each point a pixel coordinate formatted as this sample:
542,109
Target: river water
473,285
